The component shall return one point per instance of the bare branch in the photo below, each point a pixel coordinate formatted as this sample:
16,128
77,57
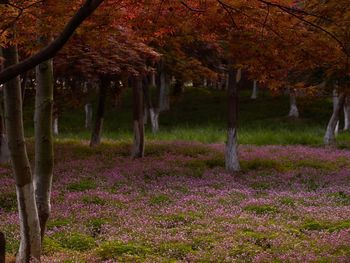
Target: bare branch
197,10
292,13
226,7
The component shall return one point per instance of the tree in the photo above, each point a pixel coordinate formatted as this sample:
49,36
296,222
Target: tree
96,132
139,128
30,245
43,141
231,155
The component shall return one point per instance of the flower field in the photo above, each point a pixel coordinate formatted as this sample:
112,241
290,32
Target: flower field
288,204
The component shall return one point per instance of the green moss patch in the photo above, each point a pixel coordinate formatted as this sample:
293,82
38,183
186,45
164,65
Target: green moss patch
83,185
261,209
117,249
75,241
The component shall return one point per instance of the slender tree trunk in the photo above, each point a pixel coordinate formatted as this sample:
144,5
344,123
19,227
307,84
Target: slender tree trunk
139,129
330,136
231,155
145,115
147,100
154,117
4,149
255,91
43,141
88,115
347,114
96,133
153,79
179,87
164,104
226,79
335,104
293,111
2,247
30,245
55,125
24,84
152,112
54,122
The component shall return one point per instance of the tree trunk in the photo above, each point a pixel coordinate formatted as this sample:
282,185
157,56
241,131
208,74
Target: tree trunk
55,125
24,85
335,103
231,155
205,82
139,129
152,112
2,247
255,91
226,79
179,87
347,114
154,117
145,115
329,138
293,111
30,245
153,79
4,149
88,116
96,133
164,92
44,141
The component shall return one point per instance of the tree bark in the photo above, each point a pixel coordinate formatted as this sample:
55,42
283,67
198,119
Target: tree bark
24,85
205,82
231,154
179,87
153,79
347,114
96,132
152,112
226,79
330,136
2,247
30,245
164,104
293,111
255,91
88,115
43,141
139,129
4,149
55,125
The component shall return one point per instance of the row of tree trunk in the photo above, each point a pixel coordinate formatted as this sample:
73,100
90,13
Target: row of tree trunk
143,108
33,191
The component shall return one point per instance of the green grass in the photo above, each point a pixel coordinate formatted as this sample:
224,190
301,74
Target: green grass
74,241
117,249
159,199
200,115
261,209
86,184
313,225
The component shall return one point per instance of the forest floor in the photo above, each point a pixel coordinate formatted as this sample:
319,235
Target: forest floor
200,114
288,204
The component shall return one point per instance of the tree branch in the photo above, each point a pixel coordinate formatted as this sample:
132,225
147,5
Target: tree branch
192,8
50,50
292,11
